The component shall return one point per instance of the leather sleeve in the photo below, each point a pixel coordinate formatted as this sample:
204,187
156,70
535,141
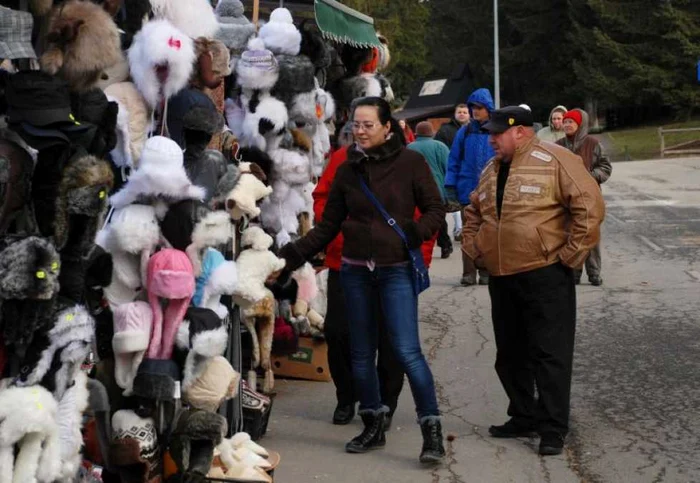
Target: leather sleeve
471,225
428,200
581,194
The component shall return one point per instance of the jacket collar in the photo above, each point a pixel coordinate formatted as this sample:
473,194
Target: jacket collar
387,150
520,152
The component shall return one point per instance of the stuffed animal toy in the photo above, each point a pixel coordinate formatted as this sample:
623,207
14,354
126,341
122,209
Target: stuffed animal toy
213,230
217,277
161,173
303,314
243,198
202,336
131,238
132,123
161,59
28,421
255,265
279,34
234,28
170,276
82,42
193,17
259,319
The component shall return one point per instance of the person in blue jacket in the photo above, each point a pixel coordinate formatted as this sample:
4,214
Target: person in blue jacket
469,154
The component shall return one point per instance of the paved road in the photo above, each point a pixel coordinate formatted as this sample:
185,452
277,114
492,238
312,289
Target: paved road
637,368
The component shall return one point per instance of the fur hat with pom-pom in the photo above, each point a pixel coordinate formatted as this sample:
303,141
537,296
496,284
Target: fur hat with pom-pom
257,68
279,34
234,28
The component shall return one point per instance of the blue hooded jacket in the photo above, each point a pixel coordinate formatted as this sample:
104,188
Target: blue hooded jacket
470,151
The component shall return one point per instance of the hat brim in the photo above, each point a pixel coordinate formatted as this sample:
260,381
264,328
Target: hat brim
40,117
16,50
495,127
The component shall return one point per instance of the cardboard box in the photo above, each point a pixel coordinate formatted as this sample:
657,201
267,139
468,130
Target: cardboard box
310,362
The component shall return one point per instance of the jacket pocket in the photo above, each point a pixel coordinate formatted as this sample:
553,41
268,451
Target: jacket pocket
543,244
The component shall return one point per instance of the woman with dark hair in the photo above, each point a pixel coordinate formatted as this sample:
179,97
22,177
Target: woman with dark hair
375,260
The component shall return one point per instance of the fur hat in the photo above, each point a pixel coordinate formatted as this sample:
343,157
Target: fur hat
132,333
280,211
16,168
384,53
296,76
217,382
363,85
314,47
161,50
218,277
234,28
155,379
213,230
170,276
132,123
194,437
54,358
179,222
83,41
28,269
134,452
83,192
257,68
161,173
279,34
265,119
202,335
194,17
28,420
255,265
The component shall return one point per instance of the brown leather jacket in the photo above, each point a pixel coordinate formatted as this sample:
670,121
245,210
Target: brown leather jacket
552,210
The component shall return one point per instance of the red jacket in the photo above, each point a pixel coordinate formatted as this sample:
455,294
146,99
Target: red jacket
334,250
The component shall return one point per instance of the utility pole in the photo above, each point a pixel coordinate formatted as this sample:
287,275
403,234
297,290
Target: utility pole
496,60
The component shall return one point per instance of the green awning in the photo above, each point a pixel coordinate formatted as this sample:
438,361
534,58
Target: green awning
342,24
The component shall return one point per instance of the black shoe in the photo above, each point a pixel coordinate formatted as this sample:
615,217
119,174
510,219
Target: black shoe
446,252
596,281
387,422
468,280
551,444
372,437
458,237
433,449
577,281
343,414
511,430
484,280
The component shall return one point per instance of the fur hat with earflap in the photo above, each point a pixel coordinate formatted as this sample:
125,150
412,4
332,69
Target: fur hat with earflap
170,276
193,17
161,173
279,34
83,41
217,382
255,265
257,68
28,422
161,59
217,277
132,333
234,28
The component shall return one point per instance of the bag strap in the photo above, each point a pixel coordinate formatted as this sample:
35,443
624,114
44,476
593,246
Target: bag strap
387,217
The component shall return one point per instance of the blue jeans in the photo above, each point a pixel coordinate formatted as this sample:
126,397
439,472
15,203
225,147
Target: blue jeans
399,305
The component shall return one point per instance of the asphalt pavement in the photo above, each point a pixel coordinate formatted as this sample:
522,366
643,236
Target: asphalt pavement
636,388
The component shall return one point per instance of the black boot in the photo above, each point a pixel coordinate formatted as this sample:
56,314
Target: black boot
433,450
373,436
344,414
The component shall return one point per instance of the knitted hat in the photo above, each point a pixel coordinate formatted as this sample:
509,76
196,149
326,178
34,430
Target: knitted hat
204,336
161,173
132,332
170,276
257,68
217,382
425,129
134,452
279,34
28,420
234,28
574,115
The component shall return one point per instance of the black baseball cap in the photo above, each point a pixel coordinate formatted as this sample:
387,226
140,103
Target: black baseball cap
503,119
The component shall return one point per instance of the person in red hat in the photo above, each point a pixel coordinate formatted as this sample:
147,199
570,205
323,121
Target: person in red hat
591,151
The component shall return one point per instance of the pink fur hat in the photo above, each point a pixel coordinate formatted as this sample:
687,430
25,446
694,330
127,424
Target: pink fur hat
170,276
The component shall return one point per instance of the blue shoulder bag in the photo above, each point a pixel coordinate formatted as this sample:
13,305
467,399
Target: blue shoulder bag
419,272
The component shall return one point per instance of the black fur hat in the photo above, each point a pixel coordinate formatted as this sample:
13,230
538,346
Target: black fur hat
296,76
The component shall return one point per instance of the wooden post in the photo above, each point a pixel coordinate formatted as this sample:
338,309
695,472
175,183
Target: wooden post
663,144
256,12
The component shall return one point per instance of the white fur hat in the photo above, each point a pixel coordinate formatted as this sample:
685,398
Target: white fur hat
264,120
28,420
279,34
132,333
194,17
70,421
157,46
161,173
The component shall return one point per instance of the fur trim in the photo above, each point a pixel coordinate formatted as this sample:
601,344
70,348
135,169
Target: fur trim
210,343
29,270
85,172
194,17
133,229
182,340
279,34
83,41
70,421
159,43
256,239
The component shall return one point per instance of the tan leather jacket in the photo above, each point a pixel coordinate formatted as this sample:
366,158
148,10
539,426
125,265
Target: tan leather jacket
552,210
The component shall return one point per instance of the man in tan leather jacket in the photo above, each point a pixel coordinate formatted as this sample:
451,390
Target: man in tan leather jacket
532,220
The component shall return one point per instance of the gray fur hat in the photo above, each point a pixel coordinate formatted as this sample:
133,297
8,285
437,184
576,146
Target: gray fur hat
29,269
296,76
234,28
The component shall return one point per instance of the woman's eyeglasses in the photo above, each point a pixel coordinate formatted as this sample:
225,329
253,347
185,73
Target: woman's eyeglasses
366,126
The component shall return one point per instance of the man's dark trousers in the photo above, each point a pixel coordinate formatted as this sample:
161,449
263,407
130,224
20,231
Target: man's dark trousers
534,322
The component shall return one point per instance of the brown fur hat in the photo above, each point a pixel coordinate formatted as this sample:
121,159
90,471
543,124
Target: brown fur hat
301,140
82,41
84,189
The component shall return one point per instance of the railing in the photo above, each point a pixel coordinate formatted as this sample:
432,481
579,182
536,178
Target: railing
688,147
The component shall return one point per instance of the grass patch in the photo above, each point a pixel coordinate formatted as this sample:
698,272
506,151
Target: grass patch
644,142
